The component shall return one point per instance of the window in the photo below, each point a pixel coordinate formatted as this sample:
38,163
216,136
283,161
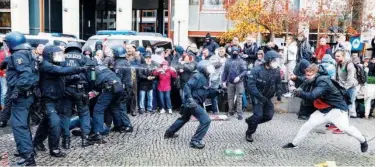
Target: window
166,13
194,2
212,4
148,13
4,4
5,19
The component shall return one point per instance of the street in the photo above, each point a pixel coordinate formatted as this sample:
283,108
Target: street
146,146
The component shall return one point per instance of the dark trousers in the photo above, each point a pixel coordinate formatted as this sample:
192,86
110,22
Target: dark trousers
305,110
261,113
20,124
107,100
5,114
67,105
50,126
201,116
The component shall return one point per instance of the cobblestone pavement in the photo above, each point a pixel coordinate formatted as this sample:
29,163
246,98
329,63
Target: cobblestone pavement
146,146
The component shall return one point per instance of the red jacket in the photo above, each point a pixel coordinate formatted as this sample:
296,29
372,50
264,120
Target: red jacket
321,50
2,58
164,83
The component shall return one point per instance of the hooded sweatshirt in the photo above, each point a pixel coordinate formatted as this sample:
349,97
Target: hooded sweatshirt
211,45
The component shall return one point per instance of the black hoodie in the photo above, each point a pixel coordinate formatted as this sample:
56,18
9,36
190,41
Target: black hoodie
211,45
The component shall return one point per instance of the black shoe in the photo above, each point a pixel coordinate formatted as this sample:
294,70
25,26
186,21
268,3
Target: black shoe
118,129
128,129
353,117
97,138
195,144
66,142
133,113
302,117
27,160
289,145
168,135
240,117
231,113
39,147
248,120
3,124
57,154
141,111
364,146
248,137
76,132
85,141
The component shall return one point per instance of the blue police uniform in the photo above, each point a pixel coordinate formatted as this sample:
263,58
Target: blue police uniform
111,90
22,76
76,94
196,90
263,83
52,89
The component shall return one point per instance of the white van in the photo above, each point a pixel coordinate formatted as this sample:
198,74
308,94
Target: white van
51,38
113,38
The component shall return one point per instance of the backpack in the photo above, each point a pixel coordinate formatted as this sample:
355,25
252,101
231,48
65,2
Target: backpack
361,75
343,91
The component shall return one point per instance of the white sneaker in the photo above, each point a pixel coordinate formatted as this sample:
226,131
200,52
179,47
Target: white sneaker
287,94
169,111
163,111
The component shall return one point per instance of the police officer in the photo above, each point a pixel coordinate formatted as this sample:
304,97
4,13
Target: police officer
196,91
76,94
111,98
22,77
123,70
52,89
263,83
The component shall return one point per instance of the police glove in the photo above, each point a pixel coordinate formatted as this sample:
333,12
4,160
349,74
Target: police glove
297,92
15,94
191,103
3,65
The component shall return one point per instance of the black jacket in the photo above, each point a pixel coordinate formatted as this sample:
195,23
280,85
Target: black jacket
323,87
212,45
198,88
299,71
189,69
264,83
251,51
143,73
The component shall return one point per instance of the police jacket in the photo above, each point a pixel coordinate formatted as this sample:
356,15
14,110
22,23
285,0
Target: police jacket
322,87
122,69
198,88
22,73
263,82
104,76
76,59
52,82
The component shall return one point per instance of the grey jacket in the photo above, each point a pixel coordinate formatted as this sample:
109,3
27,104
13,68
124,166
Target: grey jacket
346,76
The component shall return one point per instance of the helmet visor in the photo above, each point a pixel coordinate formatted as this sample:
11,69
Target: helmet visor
58,57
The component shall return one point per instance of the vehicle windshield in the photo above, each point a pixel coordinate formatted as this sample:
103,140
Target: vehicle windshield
114,42
109,42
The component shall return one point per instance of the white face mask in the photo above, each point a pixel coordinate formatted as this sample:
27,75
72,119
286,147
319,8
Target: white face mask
210,70
274,64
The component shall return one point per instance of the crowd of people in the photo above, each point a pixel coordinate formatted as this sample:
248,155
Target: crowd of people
103,84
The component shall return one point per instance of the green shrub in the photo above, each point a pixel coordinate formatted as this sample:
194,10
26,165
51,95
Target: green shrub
371,80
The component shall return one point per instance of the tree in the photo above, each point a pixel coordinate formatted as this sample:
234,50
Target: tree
268,16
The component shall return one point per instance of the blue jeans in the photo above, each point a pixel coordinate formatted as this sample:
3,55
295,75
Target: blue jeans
261,113
49,126
119,111
75,123
156,102
244,101
67,105
214,105
149,95
353,93
165,100
3,84
20,127
201,116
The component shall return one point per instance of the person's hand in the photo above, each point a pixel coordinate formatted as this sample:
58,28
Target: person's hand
245,56
293,77
150,78
181,70
297,92
220,91
365,64
92,94
173,69
182,62
224,85
237,79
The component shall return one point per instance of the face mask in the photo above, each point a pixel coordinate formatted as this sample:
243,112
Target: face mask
210,70
98,47
234,55
274,64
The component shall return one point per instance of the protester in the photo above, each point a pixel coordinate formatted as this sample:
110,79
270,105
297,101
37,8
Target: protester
186,70
346,76
304,48
321,50
146,78
290,58
330,65
342,44
165,74
331,107
250,50
260,58
192,50
210,44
